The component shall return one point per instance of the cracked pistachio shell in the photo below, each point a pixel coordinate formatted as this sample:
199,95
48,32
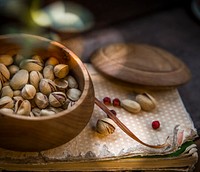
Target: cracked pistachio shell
131,106
23,107
73,94
146,101
6,59
31,65
47,86
52,61
41,100
48,72
47,112
19,79
34,79
16,98
13,69
7,91
105,126
57,99
61,84
72,82
6,102
28,91
4,73
61,70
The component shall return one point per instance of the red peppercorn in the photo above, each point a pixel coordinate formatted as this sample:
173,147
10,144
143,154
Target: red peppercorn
113,112
107,100
116,102
155,125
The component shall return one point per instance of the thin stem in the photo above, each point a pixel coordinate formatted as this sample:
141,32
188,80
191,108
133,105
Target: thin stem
124,128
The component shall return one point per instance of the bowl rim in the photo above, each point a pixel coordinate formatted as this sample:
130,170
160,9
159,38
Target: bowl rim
86,78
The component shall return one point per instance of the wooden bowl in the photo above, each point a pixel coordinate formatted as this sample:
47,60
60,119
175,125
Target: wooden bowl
23,133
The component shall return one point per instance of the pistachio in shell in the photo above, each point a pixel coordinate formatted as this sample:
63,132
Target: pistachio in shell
6,102
105,126
131,106
48,72
19,79
22,107
73,94
47,86
4,73
57,99
6,59
7,91
61,84
72,82
31,65
6,111
47,112
61,70
146,101
52,61
34,79
41,100
13,69
28,91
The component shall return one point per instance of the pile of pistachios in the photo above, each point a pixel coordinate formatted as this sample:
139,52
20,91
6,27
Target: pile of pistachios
33,87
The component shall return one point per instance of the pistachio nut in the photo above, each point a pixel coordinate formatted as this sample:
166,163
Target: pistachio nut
105,126
13,69
28,91
146,101
7,91
4,73
131,106
6,111
47,86
57,99
52,61
31,65
72,82
22,107
6,59
61,84
73,94
34,79
36,111
61,70
41,100
47,112
19,79
48,72
6,102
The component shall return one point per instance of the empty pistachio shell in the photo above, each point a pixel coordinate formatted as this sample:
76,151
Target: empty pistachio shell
19,79
146,101
13,69
6,59
131,106
28,91
61,84
48,72
47,86
34,79
52,61
4,73
41,100
105,126
57,99
6,102
7,91
23,107
61,70
31,65
73,94
72,82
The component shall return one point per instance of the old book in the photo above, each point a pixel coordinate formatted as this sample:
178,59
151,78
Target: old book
91,151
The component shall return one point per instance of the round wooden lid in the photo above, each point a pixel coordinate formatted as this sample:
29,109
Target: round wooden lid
141,64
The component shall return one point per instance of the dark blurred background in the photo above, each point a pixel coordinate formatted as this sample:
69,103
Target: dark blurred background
85,26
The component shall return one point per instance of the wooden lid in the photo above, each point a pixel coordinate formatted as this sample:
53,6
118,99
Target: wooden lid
141,64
